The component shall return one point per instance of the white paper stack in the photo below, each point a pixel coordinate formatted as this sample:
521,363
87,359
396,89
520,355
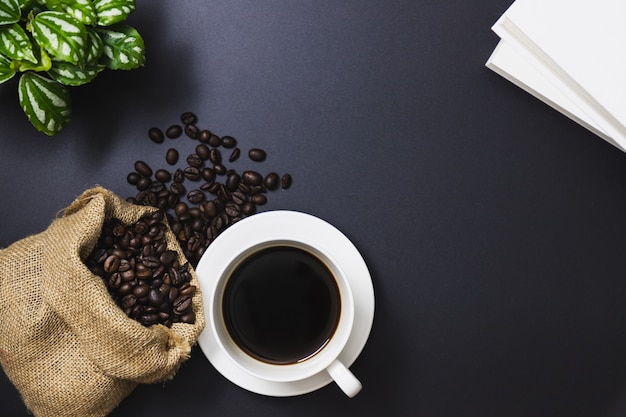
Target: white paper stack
572,55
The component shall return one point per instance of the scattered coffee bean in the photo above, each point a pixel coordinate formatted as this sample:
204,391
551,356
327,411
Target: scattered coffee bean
156,135
224,197
257,154
143,169
171,157
174,131
135,274
285,181
188,118
228,142
271,181
234,155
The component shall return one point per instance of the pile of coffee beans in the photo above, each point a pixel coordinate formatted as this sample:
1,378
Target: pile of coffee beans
202,197
143,276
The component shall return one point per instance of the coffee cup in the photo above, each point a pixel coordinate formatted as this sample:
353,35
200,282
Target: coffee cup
279,306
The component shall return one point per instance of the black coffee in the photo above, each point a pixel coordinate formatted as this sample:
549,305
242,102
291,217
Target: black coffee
281,305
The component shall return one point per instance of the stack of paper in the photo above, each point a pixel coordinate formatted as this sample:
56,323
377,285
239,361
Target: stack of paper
572,55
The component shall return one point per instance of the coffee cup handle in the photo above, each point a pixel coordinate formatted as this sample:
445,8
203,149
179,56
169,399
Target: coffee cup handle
344,378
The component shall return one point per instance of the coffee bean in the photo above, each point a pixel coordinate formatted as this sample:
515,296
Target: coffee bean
129,300
149,319
133,178
234,155
162,175
174,131
177,188
168,257
232,182
285,181
195,196
171,157
208,174
232,209
182,304
248,208
194,160
143,168
251,178
228,142
203,151
271,181
219,169
111,264
192,173
204,136
259,199
179,176
156,135
192,131
188,118
214,141
257,154
215,156
239,197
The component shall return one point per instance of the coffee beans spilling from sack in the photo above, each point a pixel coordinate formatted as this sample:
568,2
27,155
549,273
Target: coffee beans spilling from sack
203,197
142,275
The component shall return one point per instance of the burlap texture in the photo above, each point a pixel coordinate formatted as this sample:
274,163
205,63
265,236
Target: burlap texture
64,343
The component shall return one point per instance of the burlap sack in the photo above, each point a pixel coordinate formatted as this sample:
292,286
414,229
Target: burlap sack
65,345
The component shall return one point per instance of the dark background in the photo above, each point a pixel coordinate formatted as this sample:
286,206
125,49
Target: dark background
492,225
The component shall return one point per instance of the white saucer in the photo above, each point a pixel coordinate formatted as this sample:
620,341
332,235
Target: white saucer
294,226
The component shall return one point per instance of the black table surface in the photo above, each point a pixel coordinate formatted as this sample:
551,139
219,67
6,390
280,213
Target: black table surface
492,224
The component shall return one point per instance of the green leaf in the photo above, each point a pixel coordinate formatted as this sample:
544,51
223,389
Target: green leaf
6,72
123,47
81,10
42,63
9,11
73,75
61,35
94,48
45,102
15,43
109,12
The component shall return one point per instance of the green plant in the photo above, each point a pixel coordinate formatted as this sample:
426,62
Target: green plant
55,44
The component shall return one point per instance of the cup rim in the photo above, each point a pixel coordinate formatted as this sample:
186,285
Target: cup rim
307,367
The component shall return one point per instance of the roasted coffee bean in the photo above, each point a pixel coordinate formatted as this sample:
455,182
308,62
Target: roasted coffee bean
168,257
209,209
177,188
232,181
189,290
151,261
163,175
133,178
156,135
188,118
180,209
248,208
234,155
195,196
155,297
239,197
271,181
192,131
214,141
219,169
171,157
203,151
182,304
114,281
251,178
189,317
141,290
285,181
259,199
149,319
204,136
257,154
192,173
179,176
194,160
174,131
208,175
111,263
215,156
128,301
228,142
232,209
143,168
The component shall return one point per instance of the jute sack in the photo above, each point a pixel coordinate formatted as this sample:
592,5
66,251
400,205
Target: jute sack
65,345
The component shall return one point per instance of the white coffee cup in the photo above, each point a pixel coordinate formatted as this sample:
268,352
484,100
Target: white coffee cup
325,360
